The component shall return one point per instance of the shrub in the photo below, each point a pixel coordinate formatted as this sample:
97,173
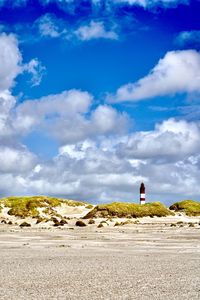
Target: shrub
25,224
56,224
80,223
91,221
189,207
89,206
28,206
118,224
63,222
122,210
100,225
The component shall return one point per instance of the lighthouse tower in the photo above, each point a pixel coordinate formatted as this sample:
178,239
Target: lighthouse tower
142,193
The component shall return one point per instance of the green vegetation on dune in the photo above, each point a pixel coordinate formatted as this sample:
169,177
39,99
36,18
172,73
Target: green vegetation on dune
77,203
122,209
189,207
28,206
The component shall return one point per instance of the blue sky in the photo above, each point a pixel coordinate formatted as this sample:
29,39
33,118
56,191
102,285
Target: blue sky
97,96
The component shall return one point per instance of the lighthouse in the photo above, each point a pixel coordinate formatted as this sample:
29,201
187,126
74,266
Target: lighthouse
142,193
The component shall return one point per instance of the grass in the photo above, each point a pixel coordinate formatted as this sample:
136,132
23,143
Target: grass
127,210
189,207
28,206
77,203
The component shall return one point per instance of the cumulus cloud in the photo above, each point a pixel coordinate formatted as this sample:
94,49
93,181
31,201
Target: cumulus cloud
95,30
177,72
88,172
12,65
99,167
166,158
7,103
14,157
171,140
98,160
11,61
16,160
112,168
66,117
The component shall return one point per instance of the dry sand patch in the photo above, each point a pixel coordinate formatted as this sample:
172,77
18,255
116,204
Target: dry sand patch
130,262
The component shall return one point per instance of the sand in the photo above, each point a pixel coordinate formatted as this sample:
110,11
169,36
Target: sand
151,260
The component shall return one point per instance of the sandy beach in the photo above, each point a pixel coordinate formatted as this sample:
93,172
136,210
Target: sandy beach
150,260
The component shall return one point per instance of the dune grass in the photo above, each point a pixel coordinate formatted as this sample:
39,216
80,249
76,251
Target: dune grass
189,207
28,206
128,210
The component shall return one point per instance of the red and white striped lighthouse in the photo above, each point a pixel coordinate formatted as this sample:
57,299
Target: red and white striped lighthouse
142,193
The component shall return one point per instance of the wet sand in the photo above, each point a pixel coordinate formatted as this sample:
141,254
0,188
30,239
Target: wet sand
143,261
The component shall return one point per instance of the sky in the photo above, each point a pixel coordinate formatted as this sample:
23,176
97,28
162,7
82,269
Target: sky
97,96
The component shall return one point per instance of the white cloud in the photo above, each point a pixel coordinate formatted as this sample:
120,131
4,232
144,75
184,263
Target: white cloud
95,30
7,102
67,106
67,117
89,170
177,72
105,119
171,140
47,27
11,61
166,158
12,66
36,69
105,168
98,159
50,26
16,160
